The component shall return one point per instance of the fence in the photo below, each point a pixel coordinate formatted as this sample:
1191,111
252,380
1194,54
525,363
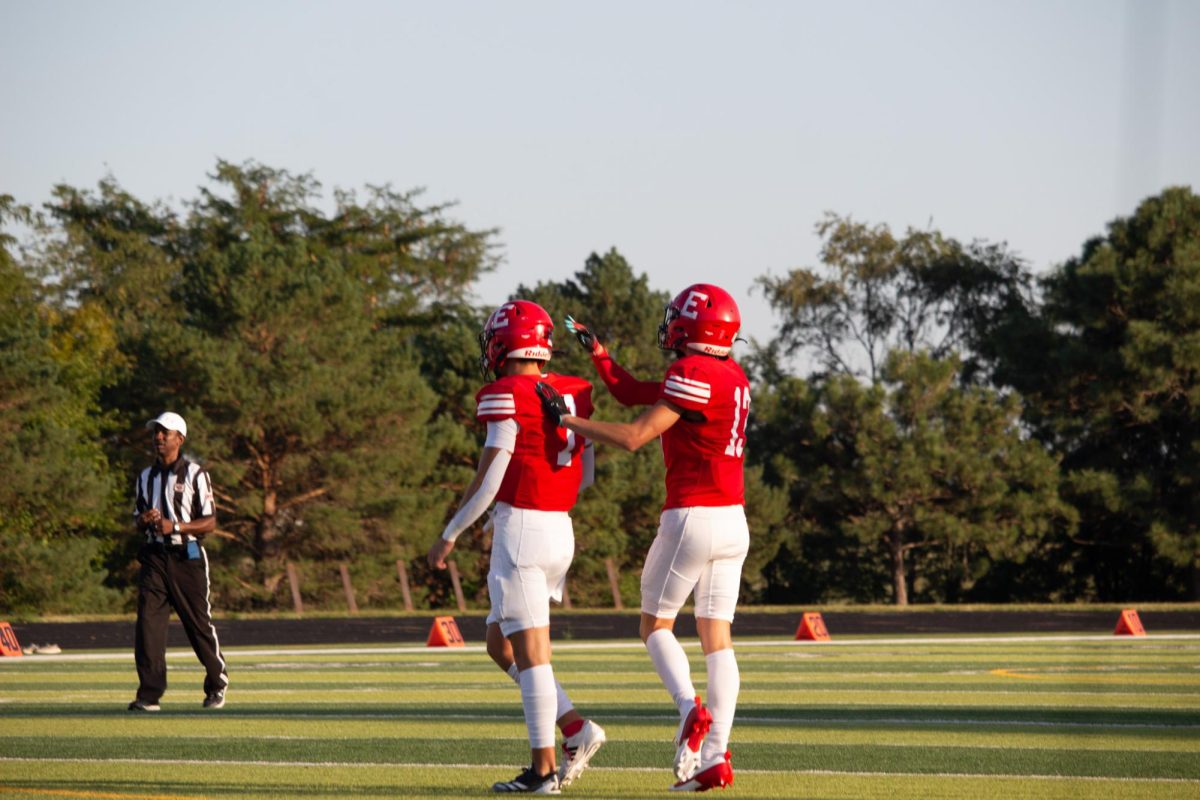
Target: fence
294,583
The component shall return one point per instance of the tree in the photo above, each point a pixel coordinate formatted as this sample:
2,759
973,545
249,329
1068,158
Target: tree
1110,371
286,337
57,496
920,292
913,463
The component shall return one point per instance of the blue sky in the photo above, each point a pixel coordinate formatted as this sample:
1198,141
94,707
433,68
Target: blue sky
701,139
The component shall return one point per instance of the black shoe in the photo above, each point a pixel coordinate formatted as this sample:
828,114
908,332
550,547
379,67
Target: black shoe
142,705
529,782
215,700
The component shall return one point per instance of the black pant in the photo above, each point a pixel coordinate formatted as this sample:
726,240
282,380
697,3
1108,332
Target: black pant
169,579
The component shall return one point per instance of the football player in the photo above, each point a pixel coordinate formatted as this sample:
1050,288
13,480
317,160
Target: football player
534,471
699,410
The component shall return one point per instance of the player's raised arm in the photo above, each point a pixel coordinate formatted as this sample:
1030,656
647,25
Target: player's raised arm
627,390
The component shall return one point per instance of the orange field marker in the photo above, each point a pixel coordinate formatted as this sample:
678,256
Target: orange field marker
444,633
1128,624
812,627
9,646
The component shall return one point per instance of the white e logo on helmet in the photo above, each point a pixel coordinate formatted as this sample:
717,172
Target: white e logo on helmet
500,318
694,298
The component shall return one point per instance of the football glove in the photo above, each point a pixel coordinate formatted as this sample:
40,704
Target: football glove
552,402
585,336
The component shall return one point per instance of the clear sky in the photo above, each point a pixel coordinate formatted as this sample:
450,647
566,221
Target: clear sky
701,139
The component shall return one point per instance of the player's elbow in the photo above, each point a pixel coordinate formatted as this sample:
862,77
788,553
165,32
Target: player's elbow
627,444
634,438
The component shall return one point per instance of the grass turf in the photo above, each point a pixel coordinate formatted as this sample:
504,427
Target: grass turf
894,718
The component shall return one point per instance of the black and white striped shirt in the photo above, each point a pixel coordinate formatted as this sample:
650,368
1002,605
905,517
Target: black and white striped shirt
182,493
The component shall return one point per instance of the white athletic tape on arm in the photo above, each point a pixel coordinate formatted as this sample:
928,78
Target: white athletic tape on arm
502,435
474,506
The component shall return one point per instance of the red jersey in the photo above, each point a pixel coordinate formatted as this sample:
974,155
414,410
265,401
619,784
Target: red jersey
547,464
704,459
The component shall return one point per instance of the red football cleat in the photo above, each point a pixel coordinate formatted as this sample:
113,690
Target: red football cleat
688,739
716,776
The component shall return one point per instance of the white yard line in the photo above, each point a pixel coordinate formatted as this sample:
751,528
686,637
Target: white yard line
559,646
444,766
14,710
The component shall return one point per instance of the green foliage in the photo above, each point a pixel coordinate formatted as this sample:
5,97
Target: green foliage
287,339
57,488
915,465
877,293
326,361
42,574
1110,373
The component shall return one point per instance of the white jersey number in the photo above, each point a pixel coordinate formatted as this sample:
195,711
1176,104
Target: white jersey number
741,411
565,455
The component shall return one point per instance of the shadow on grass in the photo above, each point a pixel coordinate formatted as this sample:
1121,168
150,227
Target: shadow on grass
926,717
1090,741
227,788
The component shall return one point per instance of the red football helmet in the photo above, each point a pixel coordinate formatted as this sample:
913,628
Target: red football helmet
517,329
703,318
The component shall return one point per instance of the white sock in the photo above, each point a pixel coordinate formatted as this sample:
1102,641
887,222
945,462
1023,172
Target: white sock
671,664
564,702
538,699
724,681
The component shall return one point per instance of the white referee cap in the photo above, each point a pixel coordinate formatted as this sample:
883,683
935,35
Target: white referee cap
171,421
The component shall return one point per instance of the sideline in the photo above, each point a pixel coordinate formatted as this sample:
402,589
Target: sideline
949,639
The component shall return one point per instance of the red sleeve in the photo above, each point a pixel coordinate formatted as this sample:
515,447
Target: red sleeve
628,390
584,407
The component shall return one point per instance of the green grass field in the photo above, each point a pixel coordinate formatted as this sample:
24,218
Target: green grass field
998,717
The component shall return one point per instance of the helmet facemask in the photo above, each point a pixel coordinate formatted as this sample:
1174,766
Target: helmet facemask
665,340
485,359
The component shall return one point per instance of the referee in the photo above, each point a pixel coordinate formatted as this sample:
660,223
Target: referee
174,510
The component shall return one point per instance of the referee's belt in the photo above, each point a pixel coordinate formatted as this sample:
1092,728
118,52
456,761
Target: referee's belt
166,547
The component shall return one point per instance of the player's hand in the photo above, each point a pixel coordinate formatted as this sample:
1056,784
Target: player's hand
552,402
438,552
585,336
